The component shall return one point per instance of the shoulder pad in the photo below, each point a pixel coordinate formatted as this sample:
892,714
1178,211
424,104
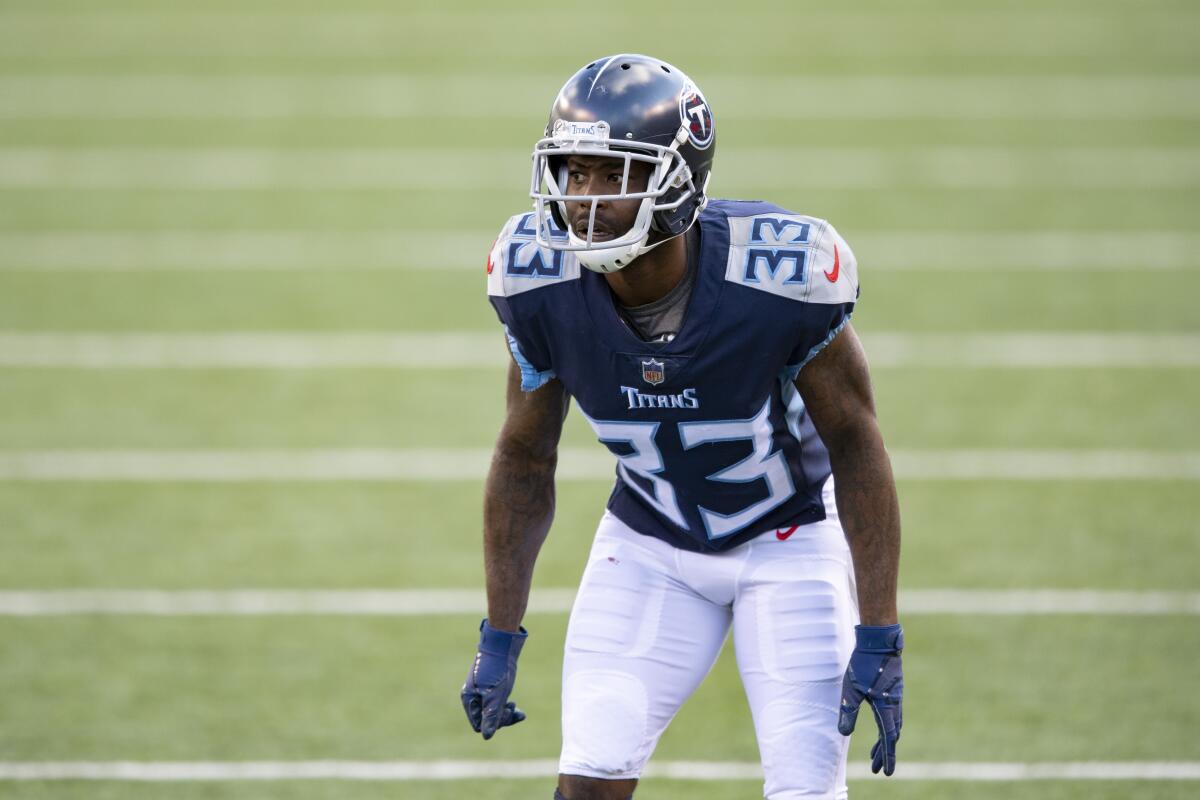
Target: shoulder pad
791,255
516,264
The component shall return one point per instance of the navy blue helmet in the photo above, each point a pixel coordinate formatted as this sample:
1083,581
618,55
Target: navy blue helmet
634,108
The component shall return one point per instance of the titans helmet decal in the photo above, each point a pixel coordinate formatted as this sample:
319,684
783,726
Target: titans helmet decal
695,113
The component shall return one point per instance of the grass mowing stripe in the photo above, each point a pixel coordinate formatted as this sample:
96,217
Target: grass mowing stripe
474,96
1083,535
575,464
459,349
746,170
170,771
524,788
134,409
116,251
444,602
275,688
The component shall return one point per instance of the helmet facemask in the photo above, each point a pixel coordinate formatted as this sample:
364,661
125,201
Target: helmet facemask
669,186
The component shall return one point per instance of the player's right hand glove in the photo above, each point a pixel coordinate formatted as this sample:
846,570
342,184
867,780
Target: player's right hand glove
875,675
491,679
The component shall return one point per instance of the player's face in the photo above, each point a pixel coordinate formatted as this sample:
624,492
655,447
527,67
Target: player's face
596,175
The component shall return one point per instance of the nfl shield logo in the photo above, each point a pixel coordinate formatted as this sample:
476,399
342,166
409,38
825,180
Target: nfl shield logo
652,372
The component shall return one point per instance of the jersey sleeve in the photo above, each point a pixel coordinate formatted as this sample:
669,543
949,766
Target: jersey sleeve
516,267
829,302
801,259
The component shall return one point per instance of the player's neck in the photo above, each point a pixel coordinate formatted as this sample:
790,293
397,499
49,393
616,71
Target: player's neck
652,275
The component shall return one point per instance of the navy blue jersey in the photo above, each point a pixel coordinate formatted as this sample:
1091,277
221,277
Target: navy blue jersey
712,441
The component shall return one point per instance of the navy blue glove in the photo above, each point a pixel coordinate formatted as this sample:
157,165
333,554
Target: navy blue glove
491,679
875,675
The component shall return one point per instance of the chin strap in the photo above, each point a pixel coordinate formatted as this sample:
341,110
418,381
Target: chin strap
612,264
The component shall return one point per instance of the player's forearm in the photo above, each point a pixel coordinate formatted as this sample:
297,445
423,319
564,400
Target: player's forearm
517,511
870,515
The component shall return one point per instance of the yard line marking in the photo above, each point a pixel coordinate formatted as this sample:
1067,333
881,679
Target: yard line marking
575,464
279,465
174,771
1089,251
267,602
452,350
186,250
485,349
523,96
451,170
451,602
958,32
244,250
996,464
1048,601
1033,349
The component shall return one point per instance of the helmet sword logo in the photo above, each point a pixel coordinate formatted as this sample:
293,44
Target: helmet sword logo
695,113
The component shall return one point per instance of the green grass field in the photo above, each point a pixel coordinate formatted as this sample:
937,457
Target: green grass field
312,167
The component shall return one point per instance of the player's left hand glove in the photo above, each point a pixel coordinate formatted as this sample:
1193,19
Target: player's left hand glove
490,681
875,675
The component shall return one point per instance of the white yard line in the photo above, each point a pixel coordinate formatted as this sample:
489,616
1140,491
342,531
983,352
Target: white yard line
512,96
1047,601
452,350
234,466
1002,464
957,31
1088,251
448,602
118,251
745,171
1033,349
575,464
268,602
1135,252
486,349
175,771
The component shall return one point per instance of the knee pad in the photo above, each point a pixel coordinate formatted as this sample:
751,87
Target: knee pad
605,721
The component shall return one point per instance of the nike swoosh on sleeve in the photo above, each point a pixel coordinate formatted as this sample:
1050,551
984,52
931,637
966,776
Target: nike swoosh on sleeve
837,267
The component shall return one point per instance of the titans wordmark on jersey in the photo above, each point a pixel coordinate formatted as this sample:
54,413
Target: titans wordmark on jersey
712,441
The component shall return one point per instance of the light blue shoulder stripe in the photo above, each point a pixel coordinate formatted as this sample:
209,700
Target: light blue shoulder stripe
531,377
792,370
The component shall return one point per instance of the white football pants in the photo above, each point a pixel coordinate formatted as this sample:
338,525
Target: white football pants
650,620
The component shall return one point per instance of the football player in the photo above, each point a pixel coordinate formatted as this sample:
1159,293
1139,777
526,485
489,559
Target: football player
708,344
